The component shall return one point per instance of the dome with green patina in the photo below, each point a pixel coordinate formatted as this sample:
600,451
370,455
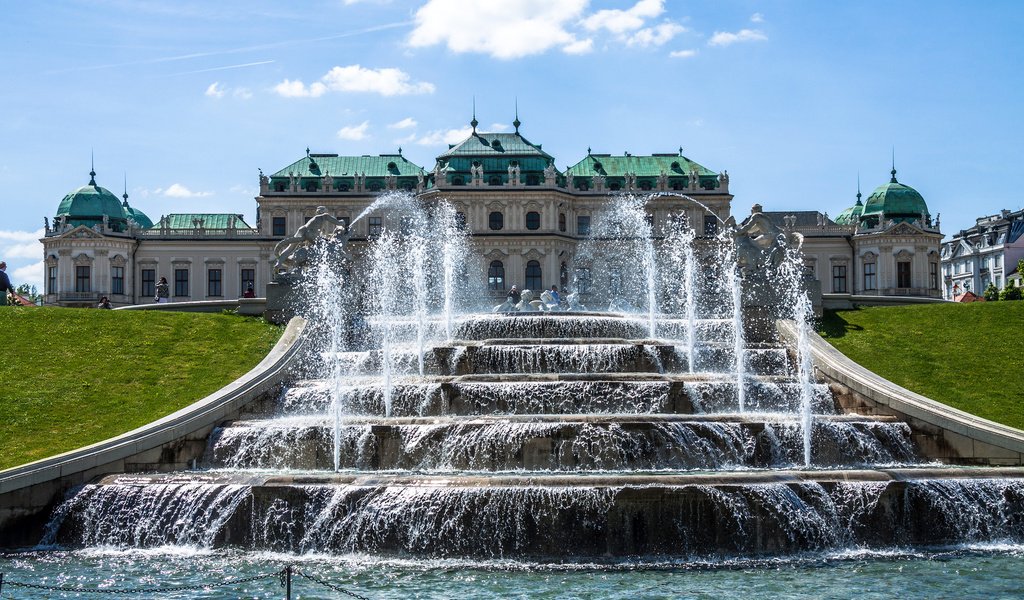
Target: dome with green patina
894,201
89,204
134,214
851,216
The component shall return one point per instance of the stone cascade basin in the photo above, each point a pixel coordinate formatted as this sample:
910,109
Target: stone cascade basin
554,437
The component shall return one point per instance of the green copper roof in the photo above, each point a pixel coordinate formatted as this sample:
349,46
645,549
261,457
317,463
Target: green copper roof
210,221
895,200
138,216
673,165
483,145
89,204
851,215
319,165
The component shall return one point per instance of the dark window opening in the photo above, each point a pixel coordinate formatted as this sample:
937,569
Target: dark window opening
376,226
494,180
532,180
214,281
51,283
839,279
279,227
181,282
148,288
248,279
870,277
496,221
615,187
457,181
561,222
279,186
533,276
117,280
82,276
903,274
533,220
933,275
583,225
496,276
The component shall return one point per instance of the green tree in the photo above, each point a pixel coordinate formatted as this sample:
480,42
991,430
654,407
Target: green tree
30,293
1010,292
991,293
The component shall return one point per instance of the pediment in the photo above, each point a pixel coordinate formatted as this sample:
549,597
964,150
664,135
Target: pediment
904,229
82,232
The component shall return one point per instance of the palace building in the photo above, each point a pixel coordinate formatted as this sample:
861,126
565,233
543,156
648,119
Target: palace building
526,218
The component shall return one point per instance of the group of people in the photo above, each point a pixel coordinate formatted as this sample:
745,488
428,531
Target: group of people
515,296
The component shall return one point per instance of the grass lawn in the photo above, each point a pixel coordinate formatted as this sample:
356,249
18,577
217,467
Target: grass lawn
72,377
969,356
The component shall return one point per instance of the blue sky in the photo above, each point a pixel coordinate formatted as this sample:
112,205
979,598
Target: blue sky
190,98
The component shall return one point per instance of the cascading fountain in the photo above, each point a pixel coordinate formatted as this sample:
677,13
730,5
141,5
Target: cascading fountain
562,436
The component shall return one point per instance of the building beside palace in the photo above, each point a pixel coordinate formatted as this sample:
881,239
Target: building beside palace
984,254
887,246
525,216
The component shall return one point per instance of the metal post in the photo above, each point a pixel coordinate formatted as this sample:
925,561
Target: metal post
288,583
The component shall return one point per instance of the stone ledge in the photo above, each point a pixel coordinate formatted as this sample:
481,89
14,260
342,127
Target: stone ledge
148,447
963,437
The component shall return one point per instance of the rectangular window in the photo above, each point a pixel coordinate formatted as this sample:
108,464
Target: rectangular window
214,281
117,280
839,279
710,225
583,225
82,279
903,274
248,279
933,275
51,284
180,282
376,226
870,277
279,226
148,283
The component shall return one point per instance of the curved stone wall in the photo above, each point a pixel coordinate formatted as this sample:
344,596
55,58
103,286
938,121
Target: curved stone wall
29,492
942,432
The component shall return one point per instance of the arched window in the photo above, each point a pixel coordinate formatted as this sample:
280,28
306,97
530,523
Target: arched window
533,220
496,221
561,222
496,276
533,276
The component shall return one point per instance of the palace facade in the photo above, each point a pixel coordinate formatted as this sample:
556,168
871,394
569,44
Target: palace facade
525,217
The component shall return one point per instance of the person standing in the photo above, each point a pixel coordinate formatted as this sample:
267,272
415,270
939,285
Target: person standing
163,291
514,295
5,284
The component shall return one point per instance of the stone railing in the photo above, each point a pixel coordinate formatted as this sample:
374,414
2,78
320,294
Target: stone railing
29,493
198,233
941,432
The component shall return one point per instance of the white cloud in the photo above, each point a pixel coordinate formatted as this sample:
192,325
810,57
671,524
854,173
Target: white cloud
444,136
655,36
499,127
405,123
725,38
505,30
21,244
177,190
355,78
621,21
243,93
682,53
31,274
757,18
579,47
215,90
354,132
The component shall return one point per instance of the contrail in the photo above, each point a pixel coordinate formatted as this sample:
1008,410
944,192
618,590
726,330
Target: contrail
225,68
193,55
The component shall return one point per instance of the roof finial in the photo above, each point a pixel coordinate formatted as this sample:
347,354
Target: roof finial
517,122
474,122
92,168
893,172
125,189
858,187
588,150
399,150
307,151
680,150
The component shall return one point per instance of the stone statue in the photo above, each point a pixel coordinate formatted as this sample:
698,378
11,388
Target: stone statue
264,180
526,302
322,224
550,175
46,223
663,181
761,245
574,302
328,182
599,182
568,179
419,181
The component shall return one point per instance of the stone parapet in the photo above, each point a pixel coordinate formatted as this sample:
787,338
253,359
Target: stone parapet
29,493
942,432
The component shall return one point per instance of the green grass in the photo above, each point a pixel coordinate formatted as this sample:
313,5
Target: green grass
73,377
969,356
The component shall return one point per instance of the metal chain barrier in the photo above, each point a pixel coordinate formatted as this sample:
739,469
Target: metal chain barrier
155,590
285,576
330,585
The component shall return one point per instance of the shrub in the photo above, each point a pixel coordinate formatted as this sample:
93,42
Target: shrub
991,293
1010,292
